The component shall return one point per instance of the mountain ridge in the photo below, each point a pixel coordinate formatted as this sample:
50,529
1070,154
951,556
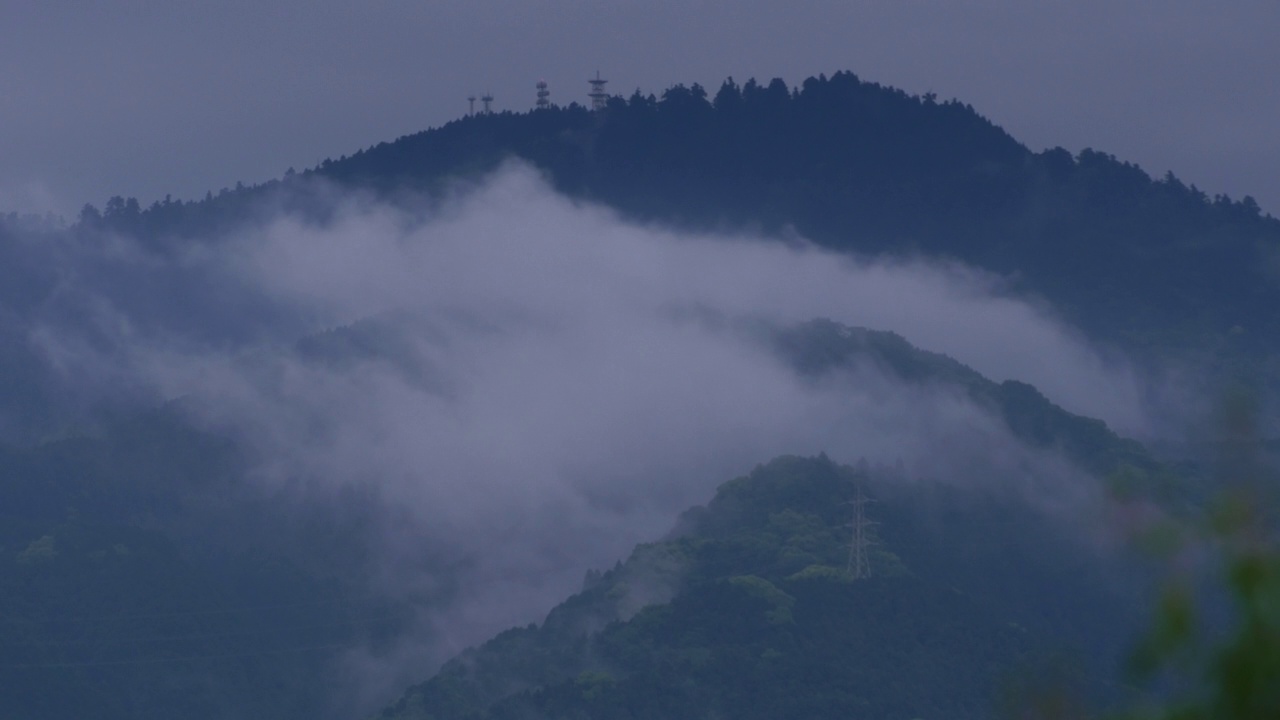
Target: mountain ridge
749,610
1153,265
157,495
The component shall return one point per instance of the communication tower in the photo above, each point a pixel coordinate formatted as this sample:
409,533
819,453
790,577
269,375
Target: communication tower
471,104
543,93
599,98
486,99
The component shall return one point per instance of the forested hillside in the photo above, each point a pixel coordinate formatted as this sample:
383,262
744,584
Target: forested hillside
1152,264
142,575
144,569
752,609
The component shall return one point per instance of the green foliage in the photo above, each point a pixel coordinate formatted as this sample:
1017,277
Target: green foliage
140,579
151,524
780,603
856,166
1221,670
823,572
750,632
1153,265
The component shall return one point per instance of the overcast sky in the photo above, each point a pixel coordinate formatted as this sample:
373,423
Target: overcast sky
141,99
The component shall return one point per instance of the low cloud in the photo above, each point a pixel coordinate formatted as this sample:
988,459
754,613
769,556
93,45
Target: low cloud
526,384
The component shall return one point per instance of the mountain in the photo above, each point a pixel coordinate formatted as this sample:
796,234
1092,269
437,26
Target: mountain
1154,265
822,347
155,562
750,610
143,570
143,574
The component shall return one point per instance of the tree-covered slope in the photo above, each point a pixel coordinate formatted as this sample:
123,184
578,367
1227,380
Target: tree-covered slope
822,347
145,571
750,610
1154,264
143,575
860,167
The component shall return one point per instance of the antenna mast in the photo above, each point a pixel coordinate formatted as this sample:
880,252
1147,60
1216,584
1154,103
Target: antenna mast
599,98
486,99
543,93
471,104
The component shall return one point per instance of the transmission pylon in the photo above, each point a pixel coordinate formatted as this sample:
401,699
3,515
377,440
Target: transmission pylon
862,540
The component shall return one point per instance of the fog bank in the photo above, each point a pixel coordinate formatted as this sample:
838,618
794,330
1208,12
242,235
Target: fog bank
526,385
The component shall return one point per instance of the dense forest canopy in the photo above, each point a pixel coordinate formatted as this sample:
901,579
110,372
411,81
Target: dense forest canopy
1153,264
750,610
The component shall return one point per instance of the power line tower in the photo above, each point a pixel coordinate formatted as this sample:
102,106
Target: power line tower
543,95
599,98
859,564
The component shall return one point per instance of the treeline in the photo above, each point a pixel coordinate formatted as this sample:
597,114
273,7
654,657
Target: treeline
1153,264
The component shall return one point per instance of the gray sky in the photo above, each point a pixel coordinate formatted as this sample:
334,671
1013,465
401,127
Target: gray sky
147,98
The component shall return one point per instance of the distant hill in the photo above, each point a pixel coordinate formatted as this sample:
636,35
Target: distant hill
144,575
1155,265
749,610
821,347
143,572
